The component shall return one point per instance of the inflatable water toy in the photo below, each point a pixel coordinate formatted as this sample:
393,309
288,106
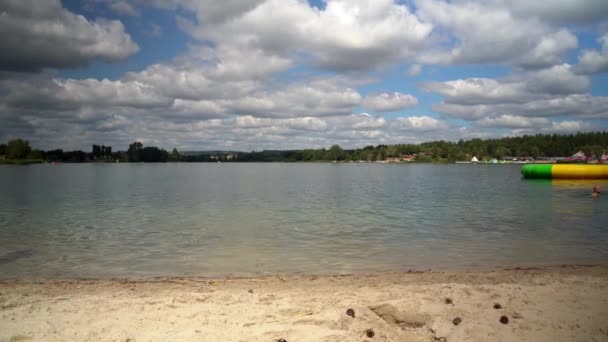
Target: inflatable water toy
565,171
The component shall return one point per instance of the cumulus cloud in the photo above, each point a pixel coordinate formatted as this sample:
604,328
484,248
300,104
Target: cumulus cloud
576,105
345,35
418,123
302,123
212,11
550,92
512,121
317,98
389,102
519,88
569,126
593,61
478,90
257,77
556,80
561,12
37,35
360,122
489,32
57,93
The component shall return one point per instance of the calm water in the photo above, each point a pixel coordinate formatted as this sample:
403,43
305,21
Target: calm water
106,220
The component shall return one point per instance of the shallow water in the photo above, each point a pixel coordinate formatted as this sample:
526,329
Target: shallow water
125,220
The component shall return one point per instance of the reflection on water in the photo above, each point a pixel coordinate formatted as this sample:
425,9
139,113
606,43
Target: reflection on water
89,220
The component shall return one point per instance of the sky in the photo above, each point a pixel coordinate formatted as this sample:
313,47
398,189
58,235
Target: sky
287,74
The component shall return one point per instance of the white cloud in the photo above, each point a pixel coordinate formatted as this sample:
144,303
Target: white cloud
303,123
489,32
576,105
360,122
569,127
112,123
414,70
345,35
518,88
37,35
593,61
57,93
512,121
523,101
479,90
560,12
418,123
389,102
123,7
249,85
316,98
548,50
558,80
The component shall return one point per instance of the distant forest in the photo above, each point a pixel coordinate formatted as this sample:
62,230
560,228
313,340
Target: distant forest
593,145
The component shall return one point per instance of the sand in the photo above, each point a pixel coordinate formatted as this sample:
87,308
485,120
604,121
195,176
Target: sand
568,303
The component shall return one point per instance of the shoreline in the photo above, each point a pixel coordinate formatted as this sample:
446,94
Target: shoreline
562,302
293,275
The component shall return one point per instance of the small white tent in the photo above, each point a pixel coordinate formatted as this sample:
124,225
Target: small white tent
474,160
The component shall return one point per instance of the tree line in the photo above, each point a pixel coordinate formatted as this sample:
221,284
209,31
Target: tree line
19,151
593,145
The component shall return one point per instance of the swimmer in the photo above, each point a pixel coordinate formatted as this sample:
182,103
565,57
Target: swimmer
596,191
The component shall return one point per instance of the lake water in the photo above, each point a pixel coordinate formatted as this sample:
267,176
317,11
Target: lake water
131,220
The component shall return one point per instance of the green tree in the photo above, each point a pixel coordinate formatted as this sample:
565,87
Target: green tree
35,154
588,151
2,149
597,151
534,151
153,154
174,156
134,151
335,153
18,149
501,151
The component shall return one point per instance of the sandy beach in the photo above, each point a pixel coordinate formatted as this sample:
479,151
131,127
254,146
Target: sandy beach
566,303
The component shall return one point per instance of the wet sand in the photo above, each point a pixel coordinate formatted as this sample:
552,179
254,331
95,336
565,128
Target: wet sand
567,303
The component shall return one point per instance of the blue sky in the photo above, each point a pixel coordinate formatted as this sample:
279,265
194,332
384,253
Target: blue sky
281,74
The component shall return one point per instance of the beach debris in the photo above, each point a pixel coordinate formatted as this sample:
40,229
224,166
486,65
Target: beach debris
449,301
281,340
370,333
457,320
504,319
350,312
250,291
497,306
441,339
516,315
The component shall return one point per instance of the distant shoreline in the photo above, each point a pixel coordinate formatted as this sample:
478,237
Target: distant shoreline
33,162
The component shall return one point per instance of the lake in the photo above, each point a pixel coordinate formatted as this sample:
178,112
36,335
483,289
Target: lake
236,219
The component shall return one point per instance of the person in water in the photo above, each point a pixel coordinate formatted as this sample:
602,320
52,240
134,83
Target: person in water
596,190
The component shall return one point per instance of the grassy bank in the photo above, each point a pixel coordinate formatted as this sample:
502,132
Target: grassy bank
21,161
